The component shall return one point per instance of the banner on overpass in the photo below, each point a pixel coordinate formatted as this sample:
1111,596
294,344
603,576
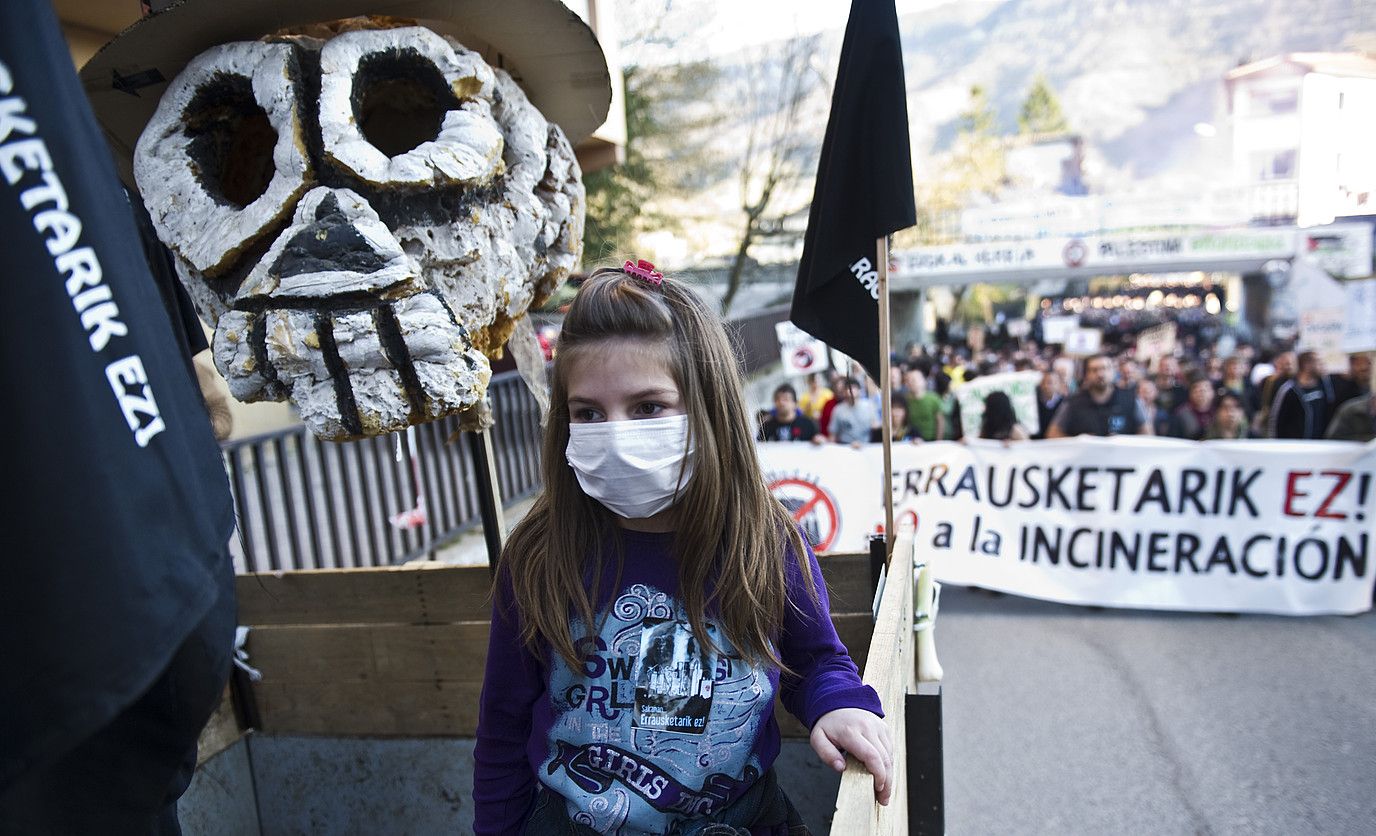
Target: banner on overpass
1110,253
1231,526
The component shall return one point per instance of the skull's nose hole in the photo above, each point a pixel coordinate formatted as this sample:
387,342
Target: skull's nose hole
231,140
399,99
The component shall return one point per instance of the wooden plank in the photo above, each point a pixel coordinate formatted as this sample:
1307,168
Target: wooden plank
430,593
415,593
375,662
890,671
302,653
855,631
439,708
848,582
220,732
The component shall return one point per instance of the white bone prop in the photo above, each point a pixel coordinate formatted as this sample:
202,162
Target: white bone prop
344,208
926,600
201,227
469,146
372,289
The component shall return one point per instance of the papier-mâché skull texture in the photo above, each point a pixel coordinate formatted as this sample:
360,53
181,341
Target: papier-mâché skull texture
363,216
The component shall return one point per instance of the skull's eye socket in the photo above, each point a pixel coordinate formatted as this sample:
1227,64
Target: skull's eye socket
399,100
230,140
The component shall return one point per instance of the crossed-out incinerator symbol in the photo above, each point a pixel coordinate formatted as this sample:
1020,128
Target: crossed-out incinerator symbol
813,508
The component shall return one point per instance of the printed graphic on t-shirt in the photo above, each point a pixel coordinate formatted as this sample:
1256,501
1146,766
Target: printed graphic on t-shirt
653,728
673,683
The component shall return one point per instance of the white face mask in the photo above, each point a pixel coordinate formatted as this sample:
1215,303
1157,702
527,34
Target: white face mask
632,467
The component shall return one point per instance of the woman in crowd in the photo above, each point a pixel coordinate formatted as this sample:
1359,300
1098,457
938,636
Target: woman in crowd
1000,422
1230,419
898,417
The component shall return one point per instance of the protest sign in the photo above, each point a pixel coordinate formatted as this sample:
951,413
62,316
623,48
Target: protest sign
1021,389
1227,526
1056,328
1359,331
1321,331
1083,342
800,352
1154,343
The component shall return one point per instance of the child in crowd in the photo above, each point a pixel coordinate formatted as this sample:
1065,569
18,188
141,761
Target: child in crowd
656,597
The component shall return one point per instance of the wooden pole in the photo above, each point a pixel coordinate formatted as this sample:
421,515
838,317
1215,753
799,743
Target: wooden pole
886,386
489,494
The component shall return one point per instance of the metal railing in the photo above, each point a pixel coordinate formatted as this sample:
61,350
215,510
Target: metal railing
307,504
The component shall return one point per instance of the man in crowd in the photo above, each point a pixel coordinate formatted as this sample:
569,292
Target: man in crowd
853,417
1050,393
1192,418
1356,381
1354,420
924,408
788,423
1234,380
1304,403
1129,372
1283,368
1170,392
1099,407
1155,417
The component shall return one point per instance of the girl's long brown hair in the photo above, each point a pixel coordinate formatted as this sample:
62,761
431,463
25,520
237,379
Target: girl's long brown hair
730,533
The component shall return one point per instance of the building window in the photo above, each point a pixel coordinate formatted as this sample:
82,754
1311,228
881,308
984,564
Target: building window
1274,102
1274,165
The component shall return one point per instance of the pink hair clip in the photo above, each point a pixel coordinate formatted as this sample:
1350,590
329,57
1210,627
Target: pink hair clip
644,270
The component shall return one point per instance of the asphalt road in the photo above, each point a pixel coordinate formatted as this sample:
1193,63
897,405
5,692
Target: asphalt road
1066,720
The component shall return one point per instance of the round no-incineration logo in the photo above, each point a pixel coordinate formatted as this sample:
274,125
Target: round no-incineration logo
812,507
804,359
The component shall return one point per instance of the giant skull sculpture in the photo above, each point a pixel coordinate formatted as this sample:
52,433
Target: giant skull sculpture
363,217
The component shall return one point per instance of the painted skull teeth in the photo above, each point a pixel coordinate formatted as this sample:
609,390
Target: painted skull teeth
363,219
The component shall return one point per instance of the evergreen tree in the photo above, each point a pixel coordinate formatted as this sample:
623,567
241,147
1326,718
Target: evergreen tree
979,118
667,153
616,193
1041,110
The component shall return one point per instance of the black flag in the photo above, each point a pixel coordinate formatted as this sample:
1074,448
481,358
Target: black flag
864,188
119,514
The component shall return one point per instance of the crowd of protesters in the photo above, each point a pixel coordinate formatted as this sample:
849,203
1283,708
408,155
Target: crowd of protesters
1201,395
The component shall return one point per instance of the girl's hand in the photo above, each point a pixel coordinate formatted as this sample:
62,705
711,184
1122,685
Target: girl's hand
863,736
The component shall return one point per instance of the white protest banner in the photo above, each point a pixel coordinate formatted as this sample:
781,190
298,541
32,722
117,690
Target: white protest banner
1156,342
1021,388
800,352
1056,328
1359,331
1321,331
1083,342
1343,249
1224,526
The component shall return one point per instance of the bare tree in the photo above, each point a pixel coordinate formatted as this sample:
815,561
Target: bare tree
780,144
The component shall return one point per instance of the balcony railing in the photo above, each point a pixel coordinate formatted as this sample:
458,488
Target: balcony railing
307,504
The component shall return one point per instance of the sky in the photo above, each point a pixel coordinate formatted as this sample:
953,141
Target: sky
701,28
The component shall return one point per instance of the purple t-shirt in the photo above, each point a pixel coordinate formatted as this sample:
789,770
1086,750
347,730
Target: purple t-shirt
652,728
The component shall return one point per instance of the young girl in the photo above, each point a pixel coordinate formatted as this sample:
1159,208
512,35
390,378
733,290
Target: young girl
656,598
